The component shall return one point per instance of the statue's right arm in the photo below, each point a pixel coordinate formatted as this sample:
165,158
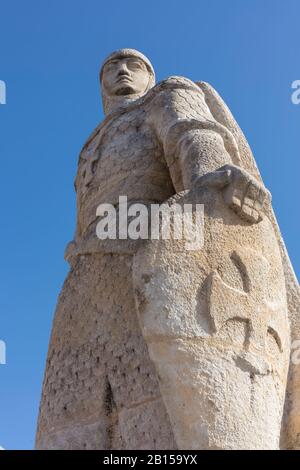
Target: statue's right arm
197,148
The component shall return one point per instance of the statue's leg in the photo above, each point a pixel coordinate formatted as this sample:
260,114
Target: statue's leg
100,389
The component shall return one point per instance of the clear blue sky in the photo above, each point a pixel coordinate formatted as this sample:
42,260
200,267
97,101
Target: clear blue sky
49,59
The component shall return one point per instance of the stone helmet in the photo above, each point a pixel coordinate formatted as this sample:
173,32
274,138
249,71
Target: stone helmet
122,53
111,102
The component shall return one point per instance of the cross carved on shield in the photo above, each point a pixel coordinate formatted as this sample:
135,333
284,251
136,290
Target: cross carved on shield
251,305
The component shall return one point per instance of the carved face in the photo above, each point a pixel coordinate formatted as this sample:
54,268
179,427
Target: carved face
125,76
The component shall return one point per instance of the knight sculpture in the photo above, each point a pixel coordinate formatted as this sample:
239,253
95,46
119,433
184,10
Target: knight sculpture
154,346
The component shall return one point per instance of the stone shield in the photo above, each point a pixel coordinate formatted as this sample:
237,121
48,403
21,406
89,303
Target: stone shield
216,325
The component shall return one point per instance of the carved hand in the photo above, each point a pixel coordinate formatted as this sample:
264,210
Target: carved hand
243,193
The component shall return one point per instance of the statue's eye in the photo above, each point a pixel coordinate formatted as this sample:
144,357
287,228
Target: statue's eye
135,65
111,65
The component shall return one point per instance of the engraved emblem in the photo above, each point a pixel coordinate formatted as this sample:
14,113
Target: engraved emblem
251,305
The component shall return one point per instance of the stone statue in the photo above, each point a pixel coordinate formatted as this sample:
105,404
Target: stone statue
154,346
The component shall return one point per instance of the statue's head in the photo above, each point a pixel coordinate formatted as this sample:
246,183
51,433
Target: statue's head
125,75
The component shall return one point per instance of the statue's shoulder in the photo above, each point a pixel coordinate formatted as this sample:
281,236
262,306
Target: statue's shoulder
173,83
174,89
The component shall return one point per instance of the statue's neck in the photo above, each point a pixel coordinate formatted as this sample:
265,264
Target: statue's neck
112,104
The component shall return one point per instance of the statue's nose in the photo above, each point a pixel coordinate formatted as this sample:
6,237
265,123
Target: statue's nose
123,70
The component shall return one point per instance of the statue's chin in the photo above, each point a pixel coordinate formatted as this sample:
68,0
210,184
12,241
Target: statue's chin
127,90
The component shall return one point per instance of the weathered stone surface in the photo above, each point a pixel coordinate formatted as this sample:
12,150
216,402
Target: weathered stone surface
154,346
100,388
217,329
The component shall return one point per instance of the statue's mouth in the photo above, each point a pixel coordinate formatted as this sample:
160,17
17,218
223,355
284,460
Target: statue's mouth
124,79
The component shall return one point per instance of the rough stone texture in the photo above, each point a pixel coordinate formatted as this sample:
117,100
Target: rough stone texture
154,346
100,388
216,325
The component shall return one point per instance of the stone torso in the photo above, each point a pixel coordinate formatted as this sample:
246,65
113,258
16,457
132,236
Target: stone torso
125,158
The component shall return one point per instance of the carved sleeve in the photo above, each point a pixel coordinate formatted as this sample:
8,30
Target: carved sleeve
194,143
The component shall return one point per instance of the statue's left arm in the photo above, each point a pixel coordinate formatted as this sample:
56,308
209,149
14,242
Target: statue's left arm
200,151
